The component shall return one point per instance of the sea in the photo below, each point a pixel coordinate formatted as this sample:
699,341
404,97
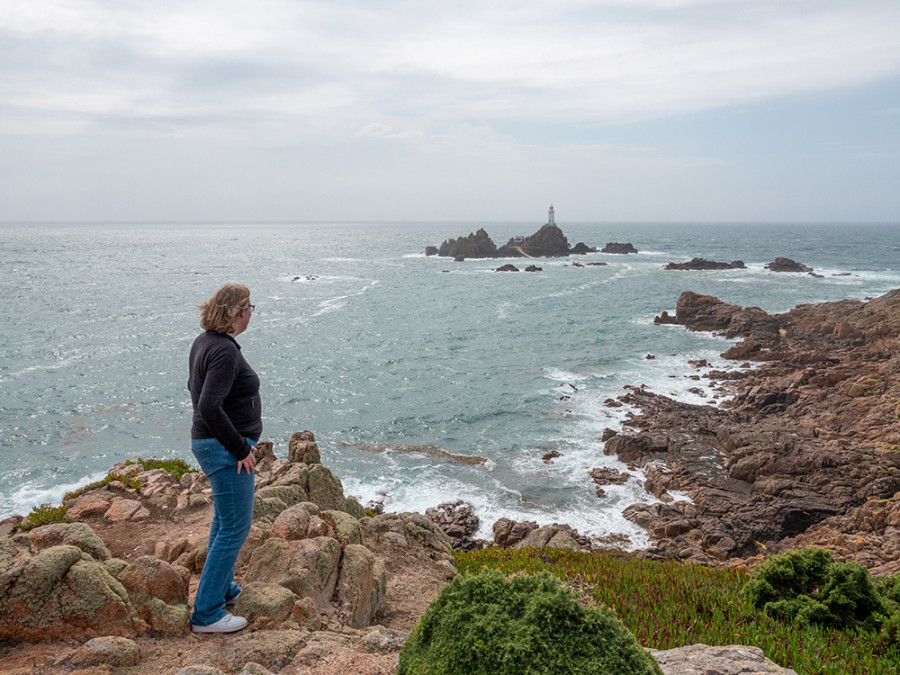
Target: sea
424,380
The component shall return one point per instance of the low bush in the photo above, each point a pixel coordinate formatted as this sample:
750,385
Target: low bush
674,604
809,587
528,625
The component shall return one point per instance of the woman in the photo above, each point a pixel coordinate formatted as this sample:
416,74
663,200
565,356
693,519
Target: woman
226,428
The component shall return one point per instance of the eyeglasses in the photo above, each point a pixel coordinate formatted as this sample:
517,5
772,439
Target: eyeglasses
251,308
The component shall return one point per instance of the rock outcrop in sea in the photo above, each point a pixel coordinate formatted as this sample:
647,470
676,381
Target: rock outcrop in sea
787,265
616,247
547,242
704,264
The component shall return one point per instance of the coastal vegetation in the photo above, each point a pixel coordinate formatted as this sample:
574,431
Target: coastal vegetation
47,514
671,604
484,623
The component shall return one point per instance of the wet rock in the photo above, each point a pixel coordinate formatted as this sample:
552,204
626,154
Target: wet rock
608,476
458,521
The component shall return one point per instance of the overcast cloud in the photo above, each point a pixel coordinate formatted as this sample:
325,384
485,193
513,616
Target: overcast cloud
293,110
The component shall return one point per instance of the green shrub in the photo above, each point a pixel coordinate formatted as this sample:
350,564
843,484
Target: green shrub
809,587
889,590
44,515
529,625
176,467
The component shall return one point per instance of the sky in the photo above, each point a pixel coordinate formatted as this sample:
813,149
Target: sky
402,110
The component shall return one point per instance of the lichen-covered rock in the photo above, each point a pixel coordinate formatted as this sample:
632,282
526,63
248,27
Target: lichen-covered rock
354,508
73,534
58,593
306,614
383,640
347,529
265,604
307,567
563,540
159,593
425,532
293,523
115,651
361,586
325,488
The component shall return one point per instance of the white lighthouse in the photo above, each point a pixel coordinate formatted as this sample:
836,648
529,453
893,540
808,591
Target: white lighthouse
551,217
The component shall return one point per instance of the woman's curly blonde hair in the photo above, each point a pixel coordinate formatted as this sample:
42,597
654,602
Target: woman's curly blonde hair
221,311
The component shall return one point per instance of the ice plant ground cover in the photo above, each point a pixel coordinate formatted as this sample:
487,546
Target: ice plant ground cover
670,604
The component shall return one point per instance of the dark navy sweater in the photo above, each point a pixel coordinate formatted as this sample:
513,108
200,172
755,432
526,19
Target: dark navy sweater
224,392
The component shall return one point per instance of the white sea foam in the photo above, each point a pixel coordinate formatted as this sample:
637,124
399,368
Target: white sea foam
22,499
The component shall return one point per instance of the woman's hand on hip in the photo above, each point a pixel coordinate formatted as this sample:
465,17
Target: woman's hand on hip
249,462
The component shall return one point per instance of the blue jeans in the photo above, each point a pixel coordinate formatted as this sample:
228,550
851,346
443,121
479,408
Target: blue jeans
232,494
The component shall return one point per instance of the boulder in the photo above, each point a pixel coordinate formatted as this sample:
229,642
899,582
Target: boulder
59,593
265,604
159,593
307,567
508,533
73,534
699,659
293,523
325,489
110,650
346,528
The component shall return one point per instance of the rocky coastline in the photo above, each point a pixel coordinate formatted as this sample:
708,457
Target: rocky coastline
805,452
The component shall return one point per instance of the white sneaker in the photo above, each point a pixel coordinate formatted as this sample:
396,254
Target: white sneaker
230,602
227,624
